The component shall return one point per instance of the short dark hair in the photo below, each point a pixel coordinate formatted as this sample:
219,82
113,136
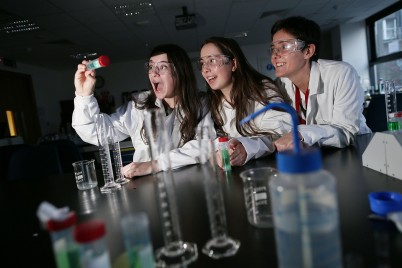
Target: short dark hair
301,28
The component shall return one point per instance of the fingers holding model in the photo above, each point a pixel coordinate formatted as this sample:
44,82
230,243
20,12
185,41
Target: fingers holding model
84,80
238,154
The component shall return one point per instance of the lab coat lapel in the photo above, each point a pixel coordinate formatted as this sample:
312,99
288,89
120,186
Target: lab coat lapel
315,87
169,122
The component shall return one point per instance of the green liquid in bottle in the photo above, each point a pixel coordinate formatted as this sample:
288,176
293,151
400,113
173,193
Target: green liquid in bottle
141,257
226,160
393,125
68,259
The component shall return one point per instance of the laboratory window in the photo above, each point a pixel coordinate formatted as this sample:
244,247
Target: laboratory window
385,46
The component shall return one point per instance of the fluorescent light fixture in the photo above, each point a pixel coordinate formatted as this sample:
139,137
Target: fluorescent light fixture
134,9
142,23
18,26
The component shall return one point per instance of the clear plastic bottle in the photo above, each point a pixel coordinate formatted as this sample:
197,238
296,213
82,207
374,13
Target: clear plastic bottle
64,247
137,240
90,237
304,205
224,148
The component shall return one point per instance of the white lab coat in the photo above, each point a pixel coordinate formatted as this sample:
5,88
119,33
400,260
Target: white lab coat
272,121
334,113
128,122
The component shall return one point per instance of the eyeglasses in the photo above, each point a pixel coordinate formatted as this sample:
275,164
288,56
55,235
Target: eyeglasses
285,47
161,67
213,61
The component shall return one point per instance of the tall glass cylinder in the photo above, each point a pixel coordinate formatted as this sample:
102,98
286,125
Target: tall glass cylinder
393,118
117,162
104,153
220,244
175,252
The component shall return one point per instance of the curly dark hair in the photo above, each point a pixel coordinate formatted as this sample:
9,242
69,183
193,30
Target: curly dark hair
249,86
188,100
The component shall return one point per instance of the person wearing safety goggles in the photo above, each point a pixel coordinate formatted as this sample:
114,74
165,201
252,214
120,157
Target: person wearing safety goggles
235,89
326,94
172,88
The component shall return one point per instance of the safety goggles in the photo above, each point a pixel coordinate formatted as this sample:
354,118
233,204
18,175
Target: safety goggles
285,47
161,67
213,61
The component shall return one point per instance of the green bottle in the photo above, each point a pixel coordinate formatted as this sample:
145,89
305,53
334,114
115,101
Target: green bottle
64,247
224,148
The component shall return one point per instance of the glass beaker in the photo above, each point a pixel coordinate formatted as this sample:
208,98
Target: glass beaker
175,251
85,174
220,245
104,153
256,195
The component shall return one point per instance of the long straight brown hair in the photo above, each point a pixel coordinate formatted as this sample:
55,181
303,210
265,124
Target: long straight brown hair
249,86
188,108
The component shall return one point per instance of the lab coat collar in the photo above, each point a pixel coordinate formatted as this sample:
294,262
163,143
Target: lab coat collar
315,84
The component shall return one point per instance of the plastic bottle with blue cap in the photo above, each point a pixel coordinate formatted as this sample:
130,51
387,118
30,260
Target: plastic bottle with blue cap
304,205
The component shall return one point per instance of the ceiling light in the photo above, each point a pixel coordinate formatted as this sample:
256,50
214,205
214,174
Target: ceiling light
142,23
274,14
18,26
134,9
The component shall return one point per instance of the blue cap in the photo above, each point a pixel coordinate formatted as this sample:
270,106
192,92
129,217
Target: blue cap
307,160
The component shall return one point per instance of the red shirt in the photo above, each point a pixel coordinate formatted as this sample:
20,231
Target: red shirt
299,107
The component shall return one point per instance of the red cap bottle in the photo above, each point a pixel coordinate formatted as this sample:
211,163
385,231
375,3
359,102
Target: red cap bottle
102,61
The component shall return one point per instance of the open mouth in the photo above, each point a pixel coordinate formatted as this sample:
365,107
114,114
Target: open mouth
157,87
211,79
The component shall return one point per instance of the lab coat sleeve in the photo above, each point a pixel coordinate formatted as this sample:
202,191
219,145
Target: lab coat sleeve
346,112
324,135
85,108
188,154
257,146
276,122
